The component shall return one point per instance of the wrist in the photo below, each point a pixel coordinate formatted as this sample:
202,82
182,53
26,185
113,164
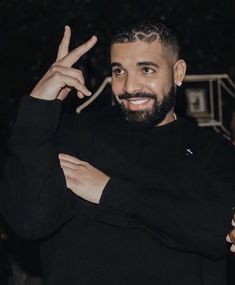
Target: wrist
39,113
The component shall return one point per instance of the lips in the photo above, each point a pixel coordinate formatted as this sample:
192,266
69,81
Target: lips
138,101
137,104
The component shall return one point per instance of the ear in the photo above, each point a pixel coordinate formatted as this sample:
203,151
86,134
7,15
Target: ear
179,71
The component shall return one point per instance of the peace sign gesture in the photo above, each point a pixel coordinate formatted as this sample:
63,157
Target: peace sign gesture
61,76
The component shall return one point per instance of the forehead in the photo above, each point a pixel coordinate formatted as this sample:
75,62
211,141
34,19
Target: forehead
138,51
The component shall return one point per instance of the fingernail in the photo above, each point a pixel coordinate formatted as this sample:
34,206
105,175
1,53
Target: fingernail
93,38
66,28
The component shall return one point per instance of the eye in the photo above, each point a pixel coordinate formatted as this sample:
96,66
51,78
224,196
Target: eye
118,71
148,70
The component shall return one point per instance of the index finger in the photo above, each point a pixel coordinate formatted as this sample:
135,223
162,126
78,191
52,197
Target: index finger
64,45
75,54
73,159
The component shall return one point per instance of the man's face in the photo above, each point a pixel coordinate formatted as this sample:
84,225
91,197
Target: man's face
142,81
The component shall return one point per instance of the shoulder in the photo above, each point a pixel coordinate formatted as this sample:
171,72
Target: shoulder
201,135
206,142
74,124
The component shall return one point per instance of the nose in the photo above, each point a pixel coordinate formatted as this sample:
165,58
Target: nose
132,84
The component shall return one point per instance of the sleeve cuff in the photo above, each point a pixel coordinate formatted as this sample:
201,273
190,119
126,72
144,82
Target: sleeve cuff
118,202
38,112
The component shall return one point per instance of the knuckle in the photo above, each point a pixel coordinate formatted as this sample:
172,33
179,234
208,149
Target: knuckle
80,72
58,62
56,74
54,68
80,86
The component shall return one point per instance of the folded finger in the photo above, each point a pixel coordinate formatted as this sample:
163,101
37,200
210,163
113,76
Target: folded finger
68,172
73,72
232,248
65,80
80,95
71,158
232,235
68,164
228,239
233,222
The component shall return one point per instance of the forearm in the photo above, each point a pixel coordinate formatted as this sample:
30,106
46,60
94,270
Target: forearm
34,196
184,223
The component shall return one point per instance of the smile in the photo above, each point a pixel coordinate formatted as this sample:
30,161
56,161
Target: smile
137,104
137,101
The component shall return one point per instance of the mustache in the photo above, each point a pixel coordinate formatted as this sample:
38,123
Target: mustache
137,95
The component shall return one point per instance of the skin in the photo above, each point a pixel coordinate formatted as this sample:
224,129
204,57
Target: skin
145,67
61,77
82,178
137,66
231,236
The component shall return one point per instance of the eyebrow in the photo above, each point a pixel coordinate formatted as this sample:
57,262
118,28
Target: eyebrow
116,64
147,63
142,63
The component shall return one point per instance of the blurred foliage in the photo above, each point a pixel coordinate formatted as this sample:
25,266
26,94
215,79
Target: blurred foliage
31,30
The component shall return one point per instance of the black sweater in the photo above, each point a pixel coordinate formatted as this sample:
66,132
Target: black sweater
163,215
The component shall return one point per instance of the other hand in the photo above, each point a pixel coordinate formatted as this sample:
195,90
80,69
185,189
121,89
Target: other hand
82,178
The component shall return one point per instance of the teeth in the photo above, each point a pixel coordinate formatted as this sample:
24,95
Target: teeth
138,101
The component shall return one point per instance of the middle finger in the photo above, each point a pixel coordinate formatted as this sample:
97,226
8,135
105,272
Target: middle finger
75,54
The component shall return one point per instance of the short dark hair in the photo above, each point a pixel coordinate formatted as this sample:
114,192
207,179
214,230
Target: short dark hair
149,31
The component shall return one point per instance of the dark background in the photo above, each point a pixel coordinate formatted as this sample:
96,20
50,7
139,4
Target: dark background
31,30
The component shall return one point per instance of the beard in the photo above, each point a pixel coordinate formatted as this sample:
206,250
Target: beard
148,118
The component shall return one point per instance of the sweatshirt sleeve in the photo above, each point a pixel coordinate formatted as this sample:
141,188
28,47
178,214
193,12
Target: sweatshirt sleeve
34,199
194,221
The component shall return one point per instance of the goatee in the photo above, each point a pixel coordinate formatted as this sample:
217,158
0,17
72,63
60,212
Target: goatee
148,118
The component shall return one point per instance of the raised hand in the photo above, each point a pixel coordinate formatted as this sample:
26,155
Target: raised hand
61,77
82,178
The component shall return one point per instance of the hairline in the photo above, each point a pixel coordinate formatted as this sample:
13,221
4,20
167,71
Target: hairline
166,48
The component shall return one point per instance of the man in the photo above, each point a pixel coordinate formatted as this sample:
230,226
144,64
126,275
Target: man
126,195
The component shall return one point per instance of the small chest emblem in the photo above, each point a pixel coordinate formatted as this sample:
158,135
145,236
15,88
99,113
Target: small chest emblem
189,152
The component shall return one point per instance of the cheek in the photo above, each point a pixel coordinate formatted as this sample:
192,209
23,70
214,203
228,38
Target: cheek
117,87
154,86
160,87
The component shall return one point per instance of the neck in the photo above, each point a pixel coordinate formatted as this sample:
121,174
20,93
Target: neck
170,117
